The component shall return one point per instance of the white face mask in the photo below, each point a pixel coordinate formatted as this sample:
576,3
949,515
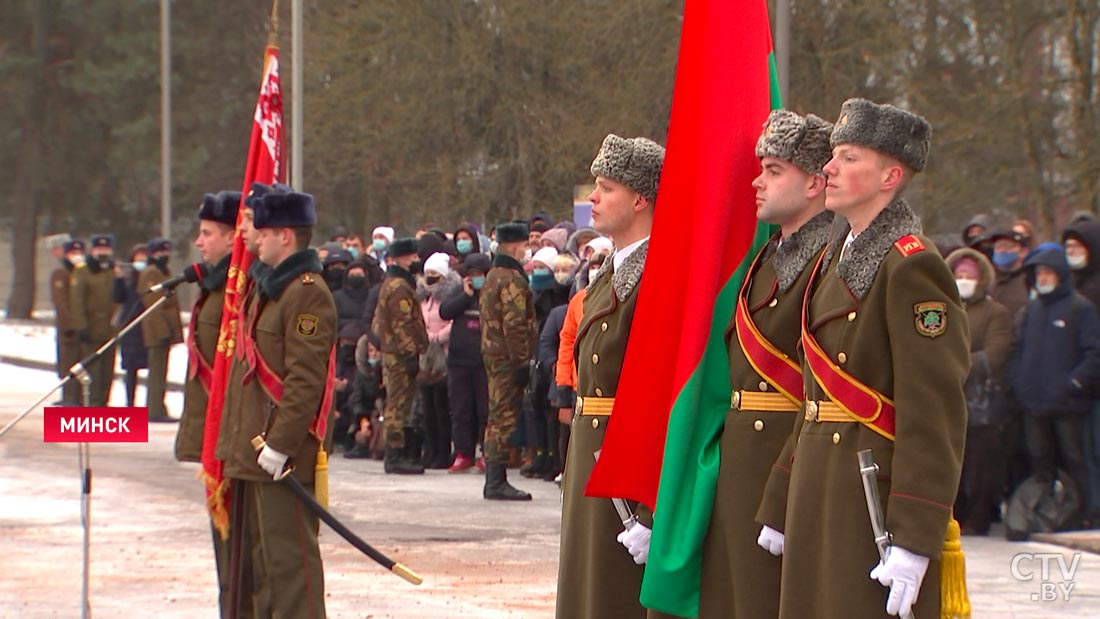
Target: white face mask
1077,261
562,278
76,260
527,255
592,275
1045,288
493,245
966,287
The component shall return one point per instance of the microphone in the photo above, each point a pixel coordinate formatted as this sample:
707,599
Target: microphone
193,273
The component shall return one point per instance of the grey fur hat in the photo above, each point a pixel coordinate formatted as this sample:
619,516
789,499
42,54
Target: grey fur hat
634,162
889,130
802,140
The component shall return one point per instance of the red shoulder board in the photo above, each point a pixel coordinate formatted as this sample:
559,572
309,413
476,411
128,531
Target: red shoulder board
909,245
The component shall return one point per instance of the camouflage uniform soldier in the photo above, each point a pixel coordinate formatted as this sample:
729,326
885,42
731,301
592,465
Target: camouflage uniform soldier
399,324
161,329
92,305
508,338
68,252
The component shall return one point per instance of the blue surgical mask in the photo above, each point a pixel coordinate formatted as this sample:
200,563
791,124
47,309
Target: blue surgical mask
1004,260
379,245
477,282
354,253
374,362
540,272
139,266
464,246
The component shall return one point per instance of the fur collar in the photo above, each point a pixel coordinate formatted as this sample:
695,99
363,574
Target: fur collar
395,271
215,278
626,279
305,261
796,251
501,260
870,248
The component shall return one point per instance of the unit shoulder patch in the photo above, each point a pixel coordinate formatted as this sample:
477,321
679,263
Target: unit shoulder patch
909,245
931,318
307,325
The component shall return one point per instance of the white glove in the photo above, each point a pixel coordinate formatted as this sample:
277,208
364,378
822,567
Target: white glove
771,540
636,539
903,572
272,461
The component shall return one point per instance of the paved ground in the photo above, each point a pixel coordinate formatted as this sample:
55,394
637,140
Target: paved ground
480,559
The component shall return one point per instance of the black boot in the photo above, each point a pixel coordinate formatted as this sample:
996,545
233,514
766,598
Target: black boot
396,463
497,487
414,442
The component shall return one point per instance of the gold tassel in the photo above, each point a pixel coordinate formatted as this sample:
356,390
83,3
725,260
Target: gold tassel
954,600
320,478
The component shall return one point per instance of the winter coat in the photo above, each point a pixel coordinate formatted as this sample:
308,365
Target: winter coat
465,341
131,345
351,304
990,324
566,374
1011,291
439,328
546,300
549,343
1056,356
1087,280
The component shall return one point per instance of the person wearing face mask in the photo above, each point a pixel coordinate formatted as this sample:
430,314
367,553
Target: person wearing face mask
508,343
984,457
126,294
351,297
343,426
162,329
438,283
547,294
1082,246
91,285
467,383
593,255
336,266
66,251
399,325
380,240
1011,288
466,240
366,402
1055,370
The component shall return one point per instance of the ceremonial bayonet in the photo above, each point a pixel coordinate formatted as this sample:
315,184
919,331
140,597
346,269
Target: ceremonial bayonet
628,517
868,470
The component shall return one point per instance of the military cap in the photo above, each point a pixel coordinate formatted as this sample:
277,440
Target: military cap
513,232
336,256
103,240
74,245
402,247
801,140
634,162
259,190
284,210
58,240
889,130
220,207
158,244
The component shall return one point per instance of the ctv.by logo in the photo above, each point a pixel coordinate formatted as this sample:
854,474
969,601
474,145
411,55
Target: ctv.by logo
1027,566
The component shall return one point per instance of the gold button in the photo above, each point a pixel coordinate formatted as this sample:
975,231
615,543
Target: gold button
758,424
599,392
841,358
851,316
836,438
595,359
596,424
763,385
603,327
735,400
773,303
580,406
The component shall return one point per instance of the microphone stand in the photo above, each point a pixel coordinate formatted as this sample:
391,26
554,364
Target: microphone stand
79,373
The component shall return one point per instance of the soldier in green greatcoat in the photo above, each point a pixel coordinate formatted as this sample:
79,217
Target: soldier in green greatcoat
92,305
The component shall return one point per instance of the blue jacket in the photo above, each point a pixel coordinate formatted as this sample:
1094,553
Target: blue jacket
1055,363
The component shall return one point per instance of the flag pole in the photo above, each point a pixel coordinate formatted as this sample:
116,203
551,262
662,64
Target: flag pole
296,94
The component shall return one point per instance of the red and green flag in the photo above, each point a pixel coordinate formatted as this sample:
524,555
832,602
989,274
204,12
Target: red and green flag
265,165
674,391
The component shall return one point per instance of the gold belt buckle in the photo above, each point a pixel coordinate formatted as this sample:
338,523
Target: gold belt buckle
811,410
735,400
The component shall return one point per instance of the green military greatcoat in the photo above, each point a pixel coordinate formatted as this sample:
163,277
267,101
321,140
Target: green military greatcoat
889,315
740,579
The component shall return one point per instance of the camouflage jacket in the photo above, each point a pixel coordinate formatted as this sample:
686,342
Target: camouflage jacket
398,321
508,333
